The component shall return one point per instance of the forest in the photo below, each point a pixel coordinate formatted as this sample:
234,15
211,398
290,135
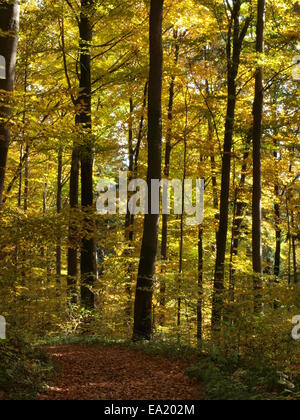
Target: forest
149,200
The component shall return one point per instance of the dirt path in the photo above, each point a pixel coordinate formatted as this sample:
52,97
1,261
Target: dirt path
116,373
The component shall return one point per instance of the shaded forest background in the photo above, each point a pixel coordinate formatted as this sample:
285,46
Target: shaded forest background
80,113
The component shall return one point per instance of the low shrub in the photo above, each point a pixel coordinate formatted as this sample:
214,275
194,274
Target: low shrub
23,370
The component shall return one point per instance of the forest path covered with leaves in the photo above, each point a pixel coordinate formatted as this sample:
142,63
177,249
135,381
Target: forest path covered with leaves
85,372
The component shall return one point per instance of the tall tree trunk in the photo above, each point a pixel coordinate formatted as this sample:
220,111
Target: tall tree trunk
277,259
25,204
136,154
144,290
181,233
239,208
26,176
133,168
200,286
213,173
88,261
164,234
129,221
23,128
9,26
257,140
45,250
140,131
72,249
294,248
213,166
236,36
131,152
138,148
58,209
19,174
289,235
72,255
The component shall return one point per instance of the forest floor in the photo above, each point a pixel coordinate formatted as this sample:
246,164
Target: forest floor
84,372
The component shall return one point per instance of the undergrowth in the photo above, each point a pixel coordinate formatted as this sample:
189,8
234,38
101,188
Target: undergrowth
24,370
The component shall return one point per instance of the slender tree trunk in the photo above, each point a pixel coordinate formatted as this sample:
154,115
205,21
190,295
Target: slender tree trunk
133,168
277,259
20,173
137,155
224,207
164,234
129,221
9,26
140,131
289,235
236,36
181,234
294,249
144,290
72,249
213,166
23,129
26,176
72,255
213,173
58,209
292,255
200,286
25,204
239,208
168,150
257,140
131,152
46,251
88,262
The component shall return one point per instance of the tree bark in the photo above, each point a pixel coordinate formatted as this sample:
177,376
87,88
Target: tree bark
294,248
134,153
131,153
74,202
236,36
289,235
257,178
26,177
239,208
144,290
88,261
23,128
200,286
9,26
129,223
164,234
181,232
141,130
58,209
213,166
277,258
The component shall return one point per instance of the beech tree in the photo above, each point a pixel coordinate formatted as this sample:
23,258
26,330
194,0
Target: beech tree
9,26
82,158
237,31
144,288
257,174
167,162
88,262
